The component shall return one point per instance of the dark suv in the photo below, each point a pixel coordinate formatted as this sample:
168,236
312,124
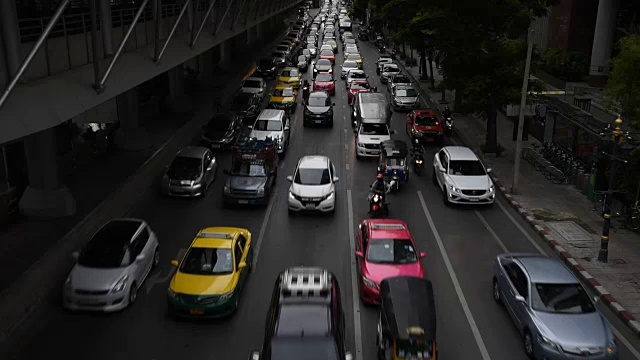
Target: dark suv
305,319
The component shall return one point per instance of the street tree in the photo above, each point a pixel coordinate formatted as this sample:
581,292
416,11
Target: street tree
623,86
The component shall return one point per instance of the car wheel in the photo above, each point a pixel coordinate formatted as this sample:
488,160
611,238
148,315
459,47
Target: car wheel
445,197
434,178
133,293
156,257
291,212
527,342
496,292
331,122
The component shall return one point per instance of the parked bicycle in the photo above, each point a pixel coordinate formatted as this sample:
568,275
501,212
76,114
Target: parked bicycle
554,162
629,212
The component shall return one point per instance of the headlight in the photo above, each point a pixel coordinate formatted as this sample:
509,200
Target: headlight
611,347
307,112
120,284
419,161
170,293
369,283
491,189
227,189
453,188
68,282
360,145
547,343
261,190
376,198
186,182
225,297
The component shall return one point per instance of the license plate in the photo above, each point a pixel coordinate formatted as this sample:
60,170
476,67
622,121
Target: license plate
196,312
310,207
179,191
428,127
474,199
215,146
318,121
90,302
243,201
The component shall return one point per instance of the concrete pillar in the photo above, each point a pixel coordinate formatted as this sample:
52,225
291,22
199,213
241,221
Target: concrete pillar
106,26
205,63
45,196
129,135
602,42
250,36
178,101
224,54
10,36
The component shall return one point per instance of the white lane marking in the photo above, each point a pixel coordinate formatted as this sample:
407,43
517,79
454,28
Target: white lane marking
357,325
514,222
456,283
346,147
490,230
282,164
346,166
263,229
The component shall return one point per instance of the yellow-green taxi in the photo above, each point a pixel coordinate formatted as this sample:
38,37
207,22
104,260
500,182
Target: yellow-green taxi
333,43
290,76
346,34
354,57
212,273
283,97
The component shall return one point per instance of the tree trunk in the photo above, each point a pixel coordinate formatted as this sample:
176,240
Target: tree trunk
423,66
457,102
433,77
492,130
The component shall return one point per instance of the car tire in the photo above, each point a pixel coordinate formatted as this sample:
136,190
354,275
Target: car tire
331,122
445,198
133,293
496,292
434,178
527,344
156,257
291,212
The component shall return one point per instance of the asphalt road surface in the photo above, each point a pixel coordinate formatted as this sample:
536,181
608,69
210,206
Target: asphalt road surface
461,244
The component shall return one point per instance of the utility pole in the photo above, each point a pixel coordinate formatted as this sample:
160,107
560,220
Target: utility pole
603,254
523,102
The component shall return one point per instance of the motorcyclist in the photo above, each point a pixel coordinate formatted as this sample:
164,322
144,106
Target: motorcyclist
446,112
379,185
306,88
416,148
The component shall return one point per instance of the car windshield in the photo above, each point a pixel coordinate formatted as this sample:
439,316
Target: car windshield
466,168
254,84
426,120
391,69
349,64
326,53
319,101
391,251
277,54
323,63
395,161
324,78
360,86
222,124
283,48
207,261
240,100
302,58
561,298
268,125
401,80
184,166
247,169
374,129
290,73
312,177
406,93
288,92
354,57
357,75
311,46
307,347
265,63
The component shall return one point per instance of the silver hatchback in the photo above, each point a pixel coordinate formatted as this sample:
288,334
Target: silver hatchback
191,173
551,309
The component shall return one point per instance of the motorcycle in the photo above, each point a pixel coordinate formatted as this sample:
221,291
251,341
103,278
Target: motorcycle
418,159
448,125
305,92
382,49
377,205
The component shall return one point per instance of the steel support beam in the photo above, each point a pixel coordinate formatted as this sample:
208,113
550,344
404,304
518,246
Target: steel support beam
173,30
238,14
204,20
93,10
223,17
33,52
260,10
251,9
157,18
100,86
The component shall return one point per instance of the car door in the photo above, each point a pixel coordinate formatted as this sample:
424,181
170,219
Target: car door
141,246
410,119
287,129
516,284
241,255
361,245
210,162
442,165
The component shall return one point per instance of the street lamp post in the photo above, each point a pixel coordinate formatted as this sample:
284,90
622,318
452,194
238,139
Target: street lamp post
603,254
523,103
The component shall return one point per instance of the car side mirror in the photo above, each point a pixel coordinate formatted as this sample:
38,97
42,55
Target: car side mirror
334,104
359,254
488,170
336,179
209,168
443,171
423,254
175,263
75,255
140,257
520,298
355,131
255,356
226,172
596,299
242,265
290,178
392,132
348,356
250,127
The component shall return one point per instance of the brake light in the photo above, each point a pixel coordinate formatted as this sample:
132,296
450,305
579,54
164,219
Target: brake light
437,123
374,207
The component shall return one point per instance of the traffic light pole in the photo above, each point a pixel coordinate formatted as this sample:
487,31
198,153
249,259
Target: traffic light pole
603,254
523,103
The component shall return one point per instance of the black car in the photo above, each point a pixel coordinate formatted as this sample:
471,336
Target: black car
318,109
305,319
322,65
267,68
280,58
246,106
222,131
303,66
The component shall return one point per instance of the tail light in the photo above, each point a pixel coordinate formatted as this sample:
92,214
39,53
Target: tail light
375,207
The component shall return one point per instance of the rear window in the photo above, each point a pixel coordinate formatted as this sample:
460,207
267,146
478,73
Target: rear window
307,348
349,64
310,319
426,121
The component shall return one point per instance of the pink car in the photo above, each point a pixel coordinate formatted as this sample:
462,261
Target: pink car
325,82
385,248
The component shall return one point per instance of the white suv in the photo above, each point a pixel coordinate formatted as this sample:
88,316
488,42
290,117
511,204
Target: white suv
368,138
313,185
462,177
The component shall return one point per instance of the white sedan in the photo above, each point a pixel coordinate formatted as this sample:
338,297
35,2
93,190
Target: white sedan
313,185
462,177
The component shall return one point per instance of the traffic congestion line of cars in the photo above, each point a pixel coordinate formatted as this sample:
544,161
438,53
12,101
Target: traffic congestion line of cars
306,317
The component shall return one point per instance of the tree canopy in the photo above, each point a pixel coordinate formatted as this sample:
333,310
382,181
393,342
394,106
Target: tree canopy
624,79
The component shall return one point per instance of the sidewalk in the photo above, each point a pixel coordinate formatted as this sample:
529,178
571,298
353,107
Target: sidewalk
559,213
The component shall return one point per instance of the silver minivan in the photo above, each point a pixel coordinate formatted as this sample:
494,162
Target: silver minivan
371,107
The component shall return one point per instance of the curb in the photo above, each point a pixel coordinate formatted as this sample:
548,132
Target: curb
543,231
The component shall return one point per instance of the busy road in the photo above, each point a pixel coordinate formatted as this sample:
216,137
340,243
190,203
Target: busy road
461,244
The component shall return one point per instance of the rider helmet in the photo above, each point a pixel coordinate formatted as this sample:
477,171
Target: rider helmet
380,176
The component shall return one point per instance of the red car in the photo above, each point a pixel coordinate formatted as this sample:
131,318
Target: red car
356,87
329,55
385,248
324,82
425,126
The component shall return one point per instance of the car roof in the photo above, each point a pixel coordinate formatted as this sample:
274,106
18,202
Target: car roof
388,229
118,230
290,68
192,152
356,71
404,87
424,112
270,114
319,94
390,65
544,269
460,153
283,87
350,61
253,78
314,162
216,237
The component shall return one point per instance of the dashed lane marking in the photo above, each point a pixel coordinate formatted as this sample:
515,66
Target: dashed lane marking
263,229
357,325
490,230
456,283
